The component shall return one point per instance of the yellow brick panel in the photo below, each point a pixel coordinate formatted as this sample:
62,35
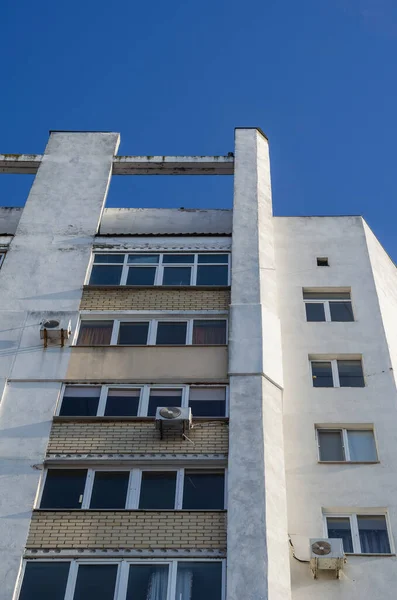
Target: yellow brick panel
124,298
84,529
139,437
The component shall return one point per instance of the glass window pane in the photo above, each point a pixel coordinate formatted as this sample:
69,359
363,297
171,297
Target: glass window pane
145,259
163,398
95,333
203,490
373,534
339,527
207,402
169,332
134,334
341,311
326,295
198,580
109,489
314,311
177,275
147,582
95,581
80,401
350,373
212,275
108,258
63,488
209,332
157,490
362,445
105,275
213,258
141,275
331,447
122,403
44,580
178,258
322,374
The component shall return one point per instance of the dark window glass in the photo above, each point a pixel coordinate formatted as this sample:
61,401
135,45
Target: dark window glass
341,311
212,275
373,534
147,582
314,311
108,258
144,259
169,332
163,398
95,333
44,581
322,374
80,401
203,490
202,580
122,403
176,276
141,275
207,402
109,489
331,447
213,258
95,582
63,488
339,527
322,262
209,332
178,258
134,334
157,490
105,275
350,373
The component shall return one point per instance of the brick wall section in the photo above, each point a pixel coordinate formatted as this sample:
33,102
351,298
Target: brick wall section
82,529
126,298
135,437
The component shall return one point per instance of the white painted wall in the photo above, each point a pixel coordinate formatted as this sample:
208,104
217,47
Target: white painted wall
312,486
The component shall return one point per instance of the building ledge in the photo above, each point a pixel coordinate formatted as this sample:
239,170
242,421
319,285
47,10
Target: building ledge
163,288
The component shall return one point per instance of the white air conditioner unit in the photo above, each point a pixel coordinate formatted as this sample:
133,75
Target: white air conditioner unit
55,331
326,554
173,418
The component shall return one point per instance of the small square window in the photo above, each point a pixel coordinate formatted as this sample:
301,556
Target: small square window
95,333
96,581
44,580
322,374
208,402
63,488
209,332
157,490
80,401
109,489
203,490
322,261
122,402
133,333
171,332
350,373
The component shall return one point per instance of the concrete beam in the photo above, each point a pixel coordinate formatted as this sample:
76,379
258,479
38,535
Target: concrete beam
20,163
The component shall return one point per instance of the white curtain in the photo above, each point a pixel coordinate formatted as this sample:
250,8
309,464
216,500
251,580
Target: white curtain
184,583
158,583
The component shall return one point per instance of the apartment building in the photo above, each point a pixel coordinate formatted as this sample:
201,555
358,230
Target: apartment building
269,341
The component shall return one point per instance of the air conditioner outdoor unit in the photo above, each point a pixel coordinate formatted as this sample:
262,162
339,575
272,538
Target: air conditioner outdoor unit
326,554
173,418
55,330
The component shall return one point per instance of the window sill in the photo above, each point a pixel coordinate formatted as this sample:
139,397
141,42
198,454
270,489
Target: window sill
373,554
103,419
136,510
348,462
156,287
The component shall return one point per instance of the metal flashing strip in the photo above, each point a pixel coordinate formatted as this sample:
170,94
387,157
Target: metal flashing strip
126,552
114,458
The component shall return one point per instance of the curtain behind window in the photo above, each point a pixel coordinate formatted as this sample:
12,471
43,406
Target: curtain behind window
158,585
209,332
95,333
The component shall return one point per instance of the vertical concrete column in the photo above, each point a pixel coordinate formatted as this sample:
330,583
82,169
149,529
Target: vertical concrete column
42,276
258,554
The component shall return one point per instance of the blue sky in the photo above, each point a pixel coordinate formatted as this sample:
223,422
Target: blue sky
318,76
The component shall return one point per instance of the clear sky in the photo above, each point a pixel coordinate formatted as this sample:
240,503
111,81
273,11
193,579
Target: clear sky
318,76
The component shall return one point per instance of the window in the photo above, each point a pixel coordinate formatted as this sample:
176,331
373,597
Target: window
145,489
154,332
328,305
2,257
122,580
361,533
346,445
160,269
322,261
337,373
143,400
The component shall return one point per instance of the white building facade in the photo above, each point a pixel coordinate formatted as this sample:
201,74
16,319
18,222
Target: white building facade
276,334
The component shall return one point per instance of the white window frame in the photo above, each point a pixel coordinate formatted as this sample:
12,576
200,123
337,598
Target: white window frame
334,369
144,396
160,266
355,531
122,573
327,310
134,483
345,442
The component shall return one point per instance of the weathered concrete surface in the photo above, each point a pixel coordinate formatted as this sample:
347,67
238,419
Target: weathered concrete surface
9,219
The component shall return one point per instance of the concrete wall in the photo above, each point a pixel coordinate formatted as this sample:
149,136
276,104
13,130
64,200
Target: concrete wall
312,486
